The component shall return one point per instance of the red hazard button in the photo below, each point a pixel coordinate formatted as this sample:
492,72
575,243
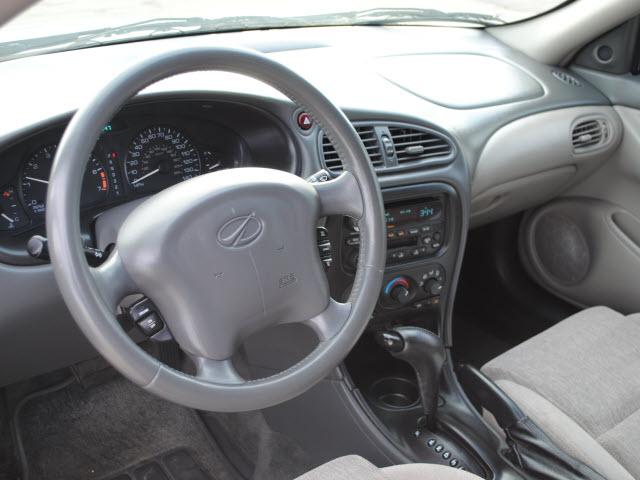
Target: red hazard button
305,122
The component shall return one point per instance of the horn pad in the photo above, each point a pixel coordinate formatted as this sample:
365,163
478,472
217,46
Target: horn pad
226,254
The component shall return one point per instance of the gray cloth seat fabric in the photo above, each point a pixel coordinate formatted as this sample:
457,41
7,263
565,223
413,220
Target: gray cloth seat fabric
353,467
580,382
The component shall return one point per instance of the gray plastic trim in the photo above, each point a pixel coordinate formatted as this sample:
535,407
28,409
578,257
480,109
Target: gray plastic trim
621,89
614,251
494,82
530,160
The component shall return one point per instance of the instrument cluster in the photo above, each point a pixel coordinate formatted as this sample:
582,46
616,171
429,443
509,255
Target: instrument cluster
132,158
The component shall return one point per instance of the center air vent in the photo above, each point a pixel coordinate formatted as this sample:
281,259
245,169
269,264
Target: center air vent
369,138
412,145
393,147
589,134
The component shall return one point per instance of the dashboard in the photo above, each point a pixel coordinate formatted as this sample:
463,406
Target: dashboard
391,83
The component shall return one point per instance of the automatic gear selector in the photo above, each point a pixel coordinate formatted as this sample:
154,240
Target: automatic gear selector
424,351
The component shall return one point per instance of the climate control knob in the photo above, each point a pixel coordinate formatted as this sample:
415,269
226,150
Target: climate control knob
400,294
398,291
433,287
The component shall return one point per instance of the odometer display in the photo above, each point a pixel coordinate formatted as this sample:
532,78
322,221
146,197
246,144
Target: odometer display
159,157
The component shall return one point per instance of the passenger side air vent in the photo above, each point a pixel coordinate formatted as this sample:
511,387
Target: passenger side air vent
589,134
369,138
566,78
413,145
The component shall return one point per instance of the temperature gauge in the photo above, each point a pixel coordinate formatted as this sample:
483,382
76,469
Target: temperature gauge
12,216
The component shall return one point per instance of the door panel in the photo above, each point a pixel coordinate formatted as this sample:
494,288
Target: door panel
586,251
585,247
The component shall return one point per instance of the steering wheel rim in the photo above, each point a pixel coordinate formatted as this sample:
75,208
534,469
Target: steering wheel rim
93,294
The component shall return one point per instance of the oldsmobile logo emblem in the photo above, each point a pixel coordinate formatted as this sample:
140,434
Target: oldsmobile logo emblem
240,231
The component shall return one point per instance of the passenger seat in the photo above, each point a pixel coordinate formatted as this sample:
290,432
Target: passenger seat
579,381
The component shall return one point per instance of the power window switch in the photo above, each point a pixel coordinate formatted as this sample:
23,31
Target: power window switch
151,324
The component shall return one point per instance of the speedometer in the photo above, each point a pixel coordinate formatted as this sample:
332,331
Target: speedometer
159,157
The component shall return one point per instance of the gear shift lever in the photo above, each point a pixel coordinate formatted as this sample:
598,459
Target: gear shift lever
424,351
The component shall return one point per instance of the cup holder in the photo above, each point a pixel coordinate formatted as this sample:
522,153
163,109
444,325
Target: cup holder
394,393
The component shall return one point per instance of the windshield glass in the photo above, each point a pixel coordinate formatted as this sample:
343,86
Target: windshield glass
52,25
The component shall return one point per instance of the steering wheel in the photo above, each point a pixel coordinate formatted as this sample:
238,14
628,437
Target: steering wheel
222,255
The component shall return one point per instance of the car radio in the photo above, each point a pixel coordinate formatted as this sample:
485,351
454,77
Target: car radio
415,229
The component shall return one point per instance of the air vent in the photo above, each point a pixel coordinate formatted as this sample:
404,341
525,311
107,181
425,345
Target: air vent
589,134
413,145
369,138
566,78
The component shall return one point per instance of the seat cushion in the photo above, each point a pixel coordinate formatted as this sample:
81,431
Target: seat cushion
423,471
580,382
353,467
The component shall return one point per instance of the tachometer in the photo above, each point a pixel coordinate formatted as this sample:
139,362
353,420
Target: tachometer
35,180
159,157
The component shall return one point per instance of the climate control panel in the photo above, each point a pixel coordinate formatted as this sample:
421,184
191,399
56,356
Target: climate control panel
417,288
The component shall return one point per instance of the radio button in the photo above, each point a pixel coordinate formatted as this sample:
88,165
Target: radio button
322,233
396,255
353,241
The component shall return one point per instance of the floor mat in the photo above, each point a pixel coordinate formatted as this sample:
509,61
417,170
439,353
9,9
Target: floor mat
475,345
178,465
264,453
99,432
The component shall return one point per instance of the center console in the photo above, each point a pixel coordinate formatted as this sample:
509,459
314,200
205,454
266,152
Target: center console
396,398
416,230
423,231
418,409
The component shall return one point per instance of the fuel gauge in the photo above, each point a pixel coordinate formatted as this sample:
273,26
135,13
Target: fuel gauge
12,216
211,162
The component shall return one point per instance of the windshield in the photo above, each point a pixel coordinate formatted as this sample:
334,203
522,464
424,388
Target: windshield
52,25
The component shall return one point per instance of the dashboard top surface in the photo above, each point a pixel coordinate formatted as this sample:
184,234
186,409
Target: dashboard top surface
41,88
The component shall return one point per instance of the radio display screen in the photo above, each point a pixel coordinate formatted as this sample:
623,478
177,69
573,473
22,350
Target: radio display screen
412,213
